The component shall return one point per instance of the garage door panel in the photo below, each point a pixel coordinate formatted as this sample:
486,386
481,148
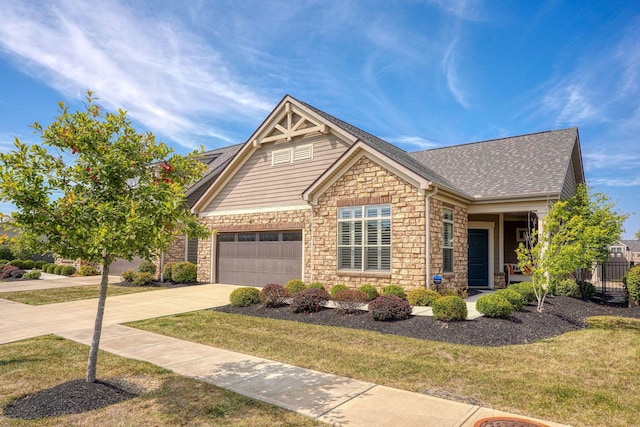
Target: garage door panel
260,261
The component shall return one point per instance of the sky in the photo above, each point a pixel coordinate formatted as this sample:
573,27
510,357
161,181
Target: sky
419,74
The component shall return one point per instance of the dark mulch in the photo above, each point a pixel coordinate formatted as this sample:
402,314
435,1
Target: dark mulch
560,315
73,397
158,284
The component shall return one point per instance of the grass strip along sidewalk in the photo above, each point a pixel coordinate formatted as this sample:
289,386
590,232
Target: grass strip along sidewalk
75,293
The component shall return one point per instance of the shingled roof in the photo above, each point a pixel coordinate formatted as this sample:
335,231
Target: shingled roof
633,245
216,160
526,165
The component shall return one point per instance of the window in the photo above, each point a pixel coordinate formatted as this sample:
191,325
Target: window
364,238
246,237
447,240
227,237
268,237
292,154
292,236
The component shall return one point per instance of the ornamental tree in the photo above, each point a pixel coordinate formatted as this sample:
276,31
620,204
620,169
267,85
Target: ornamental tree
577,233
95,189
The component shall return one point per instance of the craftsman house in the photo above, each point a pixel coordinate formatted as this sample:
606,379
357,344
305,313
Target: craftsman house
309,196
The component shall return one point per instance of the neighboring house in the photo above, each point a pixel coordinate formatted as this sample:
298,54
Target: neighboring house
626,249
309,196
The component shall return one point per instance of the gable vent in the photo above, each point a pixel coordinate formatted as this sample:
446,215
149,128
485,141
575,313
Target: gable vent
281,156
303,152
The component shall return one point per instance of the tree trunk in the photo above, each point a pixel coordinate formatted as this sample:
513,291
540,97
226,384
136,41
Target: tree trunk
97,328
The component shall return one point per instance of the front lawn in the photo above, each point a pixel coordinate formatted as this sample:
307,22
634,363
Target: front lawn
74,293
33,365
587,378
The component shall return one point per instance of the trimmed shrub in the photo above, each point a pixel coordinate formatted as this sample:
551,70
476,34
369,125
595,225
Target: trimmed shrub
6,253
316,285
128,275
17,263
39,264
633,284
568,288
525,289
68,270
147,267
6,271
448,293
273,295
167,270
494,305
184,272
389,307
309,300
422,297
244,297
33,274
141,278
370,291
52,269
449,308
88,270
17,274
28,264
294,286
3,262
337,289
515,299
58,269
394,290
587,290
350,300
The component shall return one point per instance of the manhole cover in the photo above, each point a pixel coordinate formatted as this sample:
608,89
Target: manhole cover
506,422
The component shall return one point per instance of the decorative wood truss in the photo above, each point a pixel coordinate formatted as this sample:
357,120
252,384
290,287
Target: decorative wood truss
289,123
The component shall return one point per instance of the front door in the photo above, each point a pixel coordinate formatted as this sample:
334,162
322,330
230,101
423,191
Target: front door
478,258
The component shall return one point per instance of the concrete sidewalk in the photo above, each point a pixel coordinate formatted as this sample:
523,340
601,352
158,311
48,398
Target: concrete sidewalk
329,398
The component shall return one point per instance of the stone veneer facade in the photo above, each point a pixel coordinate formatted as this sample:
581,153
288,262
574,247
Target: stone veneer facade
365,183
175,251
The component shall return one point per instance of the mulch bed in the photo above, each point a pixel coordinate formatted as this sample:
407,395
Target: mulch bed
158,284
560,315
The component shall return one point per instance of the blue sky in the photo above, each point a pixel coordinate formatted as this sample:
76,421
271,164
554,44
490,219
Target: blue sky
419,74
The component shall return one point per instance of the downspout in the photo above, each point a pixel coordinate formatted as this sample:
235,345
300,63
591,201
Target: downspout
427,251
311,265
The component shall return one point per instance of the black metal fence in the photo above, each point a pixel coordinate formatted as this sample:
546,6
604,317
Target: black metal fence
608,280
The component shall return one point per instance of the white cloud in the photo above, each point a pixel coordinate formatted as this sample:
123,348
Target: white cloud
166,77
616,182
412,142
609,160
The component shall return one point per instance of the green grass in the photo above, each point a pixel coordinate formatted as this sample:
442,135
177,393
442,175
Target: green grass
586,378
170,400
75,293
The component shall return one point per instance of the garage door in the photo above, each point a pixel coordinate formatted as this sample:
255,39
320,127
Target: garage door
257,259
121,264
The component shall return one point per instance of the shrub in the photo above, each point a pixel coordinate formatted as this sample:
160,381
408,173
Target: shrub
394,290
633,284
68,270
525,289
39,264
17,263
34,274
3,262
17,274
422,297
147,267
6,271
58,269
568,288
142,278
294,286
244,297
51,269
184,272
448,293
166,271
370,291
449,308
28,264
309,300
389,307
6,253
316,285
128,275
494,305
337,289
273,295
350,300
88,270
515,299
587,290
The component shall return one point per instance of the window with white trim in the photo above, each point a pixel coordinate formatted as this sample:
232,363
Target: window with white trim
364,238
293,154
447,240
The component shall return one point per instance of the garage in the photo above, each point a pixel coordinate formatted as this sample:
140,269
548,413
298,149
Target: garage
259,258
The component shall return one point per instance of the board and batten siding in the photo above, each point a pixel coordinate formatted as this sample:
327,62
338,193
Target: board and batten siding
569,185
259,184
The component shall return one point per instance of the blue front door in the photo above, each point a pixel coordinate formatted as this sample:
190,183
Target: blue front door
478,258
